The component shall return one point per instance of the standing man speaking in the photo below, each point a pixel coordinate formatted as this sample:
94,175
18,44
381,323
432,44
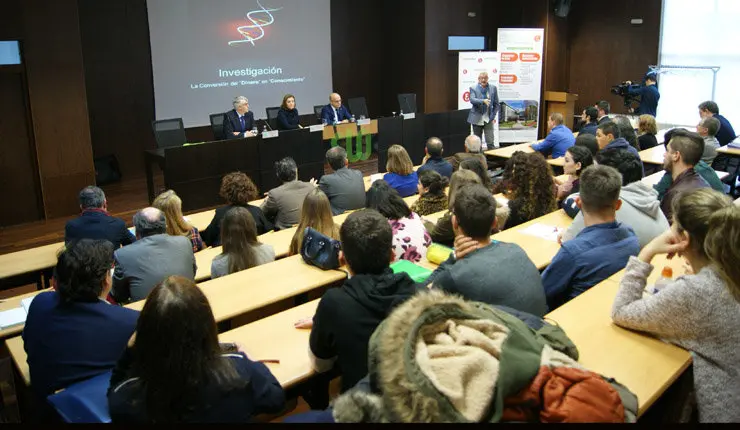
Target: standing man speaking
484,98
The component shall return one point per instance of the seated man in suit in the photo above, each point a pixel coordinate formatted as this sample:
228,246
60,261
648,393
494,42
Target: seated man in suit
283,204
239,121
433,159
155,256
602,108
345,188
335,112
72,334
95,223
473,146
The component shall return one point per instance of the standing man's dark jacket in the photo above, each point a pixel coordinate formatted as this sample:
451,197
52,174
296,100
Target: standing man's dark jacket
649,97
96,224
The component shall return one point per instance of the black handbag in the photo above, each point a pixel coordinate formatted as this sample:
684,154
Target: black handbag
319,250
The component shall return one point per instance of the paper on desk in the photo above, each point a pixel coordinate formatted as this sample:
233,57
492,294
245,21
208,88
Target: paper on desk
542,231
26,303
376,177
12,317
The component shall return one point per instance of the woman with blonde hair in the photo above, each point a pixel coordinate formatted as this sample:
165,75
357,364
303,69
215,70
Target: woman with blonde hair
315,213
242,249
171,204
700,311
647,128
401,175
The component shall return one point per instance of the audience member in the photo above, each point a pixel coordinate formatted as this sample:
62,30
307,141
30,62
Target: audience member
176,370
479,169
345,188
94,221
315,213
608,135
171,205
410,238
640,208
588,141
242,249
703,169
531,188
238,190
601,249
154,256
647,128
442,232
602,108
433,159
73,334
699,311
707,129
577,159
590,121
346,317
488,271
472,150
558,140
627,131
283,204
432,197
401,175
682,154
726,133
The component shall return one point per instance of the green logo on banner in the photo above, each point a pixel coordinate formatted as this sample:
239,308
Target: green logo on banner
353,156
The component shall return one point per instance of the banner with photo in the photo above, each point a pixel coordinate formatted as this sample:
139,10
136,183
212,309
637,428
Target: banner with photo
470,65
520,82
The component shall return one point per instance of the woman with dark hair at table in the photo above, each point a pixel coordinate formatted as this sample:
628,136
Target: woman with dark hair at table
288,117
176,371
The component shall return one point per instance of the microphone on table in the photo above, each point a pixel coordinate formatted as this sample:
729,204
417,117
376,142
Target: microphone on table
267,125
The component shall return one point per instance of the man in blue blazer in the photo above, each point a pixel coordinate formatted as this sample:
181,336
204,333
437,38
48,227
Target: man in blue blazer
484,98
335,112
239,121
95,223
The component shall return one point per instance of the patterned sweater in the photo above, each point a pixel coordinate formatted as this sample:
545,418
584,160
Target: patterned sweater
695,312
428,204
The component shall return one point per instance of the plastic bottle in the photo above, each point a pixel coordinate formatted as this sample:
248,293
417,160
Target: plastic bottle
666,277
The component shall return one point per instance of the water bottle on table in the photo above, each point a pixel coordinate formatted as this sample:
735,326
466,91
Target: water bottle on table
666,277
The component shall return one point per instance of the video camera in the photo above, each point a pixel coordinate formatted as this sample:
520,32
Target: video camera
623,89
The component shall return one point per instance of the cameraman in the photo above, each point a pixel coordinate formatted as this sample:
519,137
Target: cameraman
649,95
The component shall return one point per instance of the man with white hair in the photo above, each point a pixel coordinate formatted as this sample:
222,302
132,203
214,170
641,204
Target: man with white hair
239,121
484,98
472,150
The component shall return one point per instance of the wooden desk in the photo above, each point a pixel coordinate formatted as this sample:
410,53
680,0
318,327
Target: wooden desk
18,355
653,155
12,303
508,151
275,337
29,260
659,261
342,131
540,251
646,365
729,151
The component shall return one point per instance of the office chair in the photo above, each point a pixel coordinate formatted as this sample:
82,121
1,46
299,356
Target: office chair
217,125
358,107
169,133
317,110
407,103
272,114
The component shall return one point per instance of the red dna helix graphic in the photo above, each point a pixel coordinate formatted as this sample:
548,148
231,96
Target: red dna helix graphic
260,19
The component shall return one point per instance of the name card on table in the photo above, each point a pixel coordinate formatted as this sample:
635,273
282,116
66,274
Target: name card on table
315,128
362,122
409,116
270,134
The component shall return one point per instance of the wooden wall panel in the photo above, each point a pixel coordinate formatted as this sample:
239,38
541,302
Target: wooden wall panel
56,81
118,78
606,49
